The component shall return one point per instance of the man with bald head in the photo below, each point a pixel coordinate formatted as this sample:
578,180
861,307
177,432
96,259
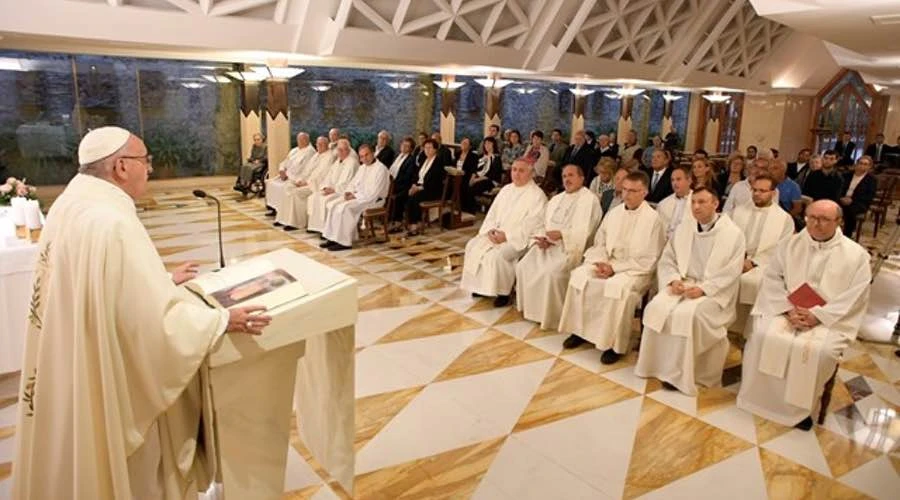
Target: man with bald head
811,302
517,213
293,212
113,345
331,189
788,190
291,168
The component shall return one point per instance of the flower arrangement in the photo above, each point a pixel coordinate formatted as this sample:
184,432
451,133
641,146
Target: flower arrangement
16,188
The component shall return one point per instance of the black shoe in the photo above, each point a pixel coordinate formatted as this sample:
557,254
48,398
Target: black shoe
477,296
573,341
805,424
278,224
327,244
501,301
290,228
270,213
313,231
609,357
669,387
336,247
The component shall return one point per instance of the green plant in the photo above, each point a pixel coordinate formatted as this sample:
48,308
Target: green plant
173,147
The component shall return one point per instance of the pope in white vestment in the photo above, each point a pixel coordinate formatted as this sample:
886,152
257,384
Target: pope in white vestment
331,189
684,340
604,292
368,189
489,265
293,214
290,169
676,207
109,398
793,350
764,224
541,276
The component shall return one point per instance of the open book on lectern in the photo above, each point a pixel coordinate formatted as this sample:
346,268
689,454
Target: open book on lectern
269,280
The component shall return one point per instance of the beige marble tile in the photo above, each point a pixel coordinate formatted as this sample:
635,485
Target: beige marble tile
416,275
670,445
734,356
6,432
511,316
437,284
710,399
374,412
842,454
864,365
569,390
895,461
766,430
492,351
304,494
5,470
538,332
390,296
483,304
450,475
435,320
8,401
840,396
786,479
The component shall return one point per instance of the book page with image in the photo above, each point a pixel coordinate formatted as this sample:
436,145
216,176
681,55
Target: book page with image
211,282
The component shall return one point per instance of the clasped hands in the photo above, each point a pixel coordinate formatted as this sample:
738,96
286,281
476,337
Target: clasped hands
496,236
349,196
603,270
415,189
802,319
548,239
678,287
327,191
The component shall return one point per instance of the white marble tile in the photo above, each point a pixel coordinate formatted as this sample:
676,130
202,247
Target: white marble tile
415,285
363,290
7,449
884,390
733,420
8,415
890,367
801,447
488,317
625,376
399,365
6,488
325,493
877,478
376,323
589,359
519,329
460,305
298,474
436,295
675,399
595,446
737,477
520,472
552,344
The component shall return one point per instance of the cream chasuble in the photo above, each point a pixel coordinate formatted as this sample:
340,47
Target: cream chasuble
684,340
600,310
784,370
541,275
108,400
763,228
489,269
340,173
293,211
370,186
673,211
293,167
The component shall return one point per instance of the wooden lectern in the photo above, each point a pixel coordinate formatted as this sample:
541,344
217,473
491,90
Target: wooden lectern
251,383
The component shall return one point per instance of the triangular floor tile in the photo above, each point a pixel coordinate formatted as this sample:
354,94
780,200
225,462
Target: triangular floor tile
890,367
391,295
374,412
519,329
843,455
487,317
675,399
786,479
492,351
740,476
766,430
734,420
435,320
374,324
298,474
552,344
511,316
710,399
567,391
670,445
864,365
877,478
801,447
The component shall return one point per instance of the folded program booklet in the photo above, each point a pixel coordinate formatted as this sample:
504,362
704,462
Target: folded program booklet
258,281
804,296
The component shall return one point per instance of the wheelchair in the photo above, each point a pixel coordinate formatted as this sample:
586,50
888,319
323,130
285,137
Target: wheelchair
257,185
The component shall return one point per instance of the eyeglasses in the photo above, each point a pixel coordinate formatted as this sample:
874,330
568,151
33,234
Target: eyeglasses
145,159
632,190
820,220
762,190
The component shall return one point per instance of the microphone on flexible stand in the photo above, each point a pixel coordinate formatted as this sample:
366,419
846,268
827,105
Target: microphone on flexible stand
199,193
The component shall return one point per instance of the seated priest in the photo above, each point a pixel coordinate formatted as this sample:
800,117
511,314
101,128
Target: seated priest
368,189
812,299
428,186
332,188
570,219
292,214
517,213
404,172
676,207
684,340
113,348
257,162
290,170
604,292
764,225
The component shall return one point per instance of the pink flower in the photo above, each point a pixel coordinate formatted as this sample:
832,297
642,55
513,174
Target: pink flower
11,181
21,190
5,188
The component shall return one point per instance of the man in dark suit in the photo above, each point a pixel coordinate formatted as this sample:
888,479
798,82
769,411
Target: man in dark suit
858,193
660,174
447,155
405,174
605,149
383,150
825,183
844,149
581,154
878,149
799,170
612,197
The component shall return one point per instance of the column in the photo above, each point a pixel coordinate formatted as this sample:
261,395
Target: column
578,109
625,121
250,117
696,125
278,126
493,98
448,109
667,124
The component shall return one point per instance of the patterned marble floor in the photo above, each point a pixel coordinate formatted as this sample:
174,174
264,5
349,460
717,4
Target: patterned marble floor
458,399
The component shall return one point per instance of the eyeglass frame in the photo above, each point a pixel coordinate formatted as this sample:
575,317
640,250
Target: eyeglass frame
146,159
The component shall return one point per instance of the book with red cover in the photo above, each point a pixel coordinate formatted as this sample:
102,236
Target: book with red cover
804,296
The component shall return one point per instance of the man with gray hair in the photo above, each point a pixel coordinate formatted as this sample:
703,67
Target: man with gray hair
291,168
113,345
384,153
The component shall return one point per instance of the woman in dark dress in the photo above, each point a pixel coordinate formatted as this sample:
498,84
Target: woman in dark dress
488,172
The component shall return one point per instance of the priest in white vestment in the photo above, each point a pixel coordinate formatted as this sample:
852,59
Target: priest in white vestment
793,350
289,170
684,340
764,224
108,404
368,189
517,213
604,292
541,276
331,189
293,214
676,207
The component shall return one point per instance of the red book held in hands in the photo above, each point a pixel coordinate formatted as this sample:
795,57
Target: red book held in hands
804,296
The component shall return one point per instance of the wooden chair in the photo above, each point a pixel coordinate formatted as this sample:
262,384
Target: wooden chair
427,206
382,214
826,397
548,183
884,198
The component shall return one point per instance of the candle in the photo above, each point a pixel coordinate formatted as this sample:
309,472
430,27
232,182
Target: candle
32,214
18,211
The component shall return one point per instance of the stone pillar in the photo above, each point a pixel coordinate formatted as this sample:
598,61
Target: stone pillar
448,110
625,121
696,123
667,123
250,117
578,112
493,99
278,125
